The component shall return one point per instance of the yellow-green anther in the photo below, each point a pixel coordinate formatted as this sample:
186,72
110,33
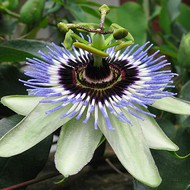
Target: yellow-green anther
115,26
116,43
129,37
63,27
120,33
90,49
123,45
68,41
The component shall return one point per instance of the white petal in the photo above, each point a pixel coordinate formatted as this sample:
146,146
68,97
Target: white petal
32,129
155,137
21,104
173,105
76,146
130,146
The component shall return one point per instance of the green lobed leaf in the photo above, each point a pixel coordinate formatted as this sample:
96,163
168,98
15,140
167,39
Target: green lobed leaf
32,129
21,104
18,50
26,166
76,146
173,105
131,16
130,146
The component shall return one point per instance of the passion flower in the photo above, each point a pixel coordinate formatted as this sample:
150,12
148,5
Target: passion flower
92,91
67,89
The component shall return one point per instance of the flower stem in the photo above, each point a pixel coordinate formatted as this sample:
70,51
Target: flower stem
10,12
33,181
97,61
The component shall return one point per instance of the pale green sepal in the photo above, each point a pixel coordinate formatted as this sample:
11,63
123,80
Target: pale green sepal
76,146
32,129
21,104
173,105
155,137
130,146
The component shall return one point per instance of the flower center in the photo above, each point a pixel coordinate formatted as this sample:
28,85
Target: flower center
98,77
112,78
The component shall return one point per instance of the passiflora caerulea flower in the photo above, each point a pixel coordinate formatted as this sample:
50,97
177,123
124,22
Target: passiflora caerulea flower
90,95
93,101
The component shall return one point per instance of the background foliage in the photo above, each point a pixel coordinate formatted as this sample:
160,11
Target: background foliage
28,26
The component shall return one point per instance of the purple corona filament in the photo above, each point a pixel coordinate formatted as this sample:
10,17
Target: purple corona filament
125,83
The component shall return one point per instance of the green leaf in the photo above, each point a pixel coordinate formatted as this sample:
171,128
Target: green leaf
9,84
173,105
168,127
173,8
184,94
185,91
26,166
139,186
18,50
183,55
32,129
8,123
165,20
77,140
128,15
184,14
76,11
22,105
9,75
130,146
174,171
